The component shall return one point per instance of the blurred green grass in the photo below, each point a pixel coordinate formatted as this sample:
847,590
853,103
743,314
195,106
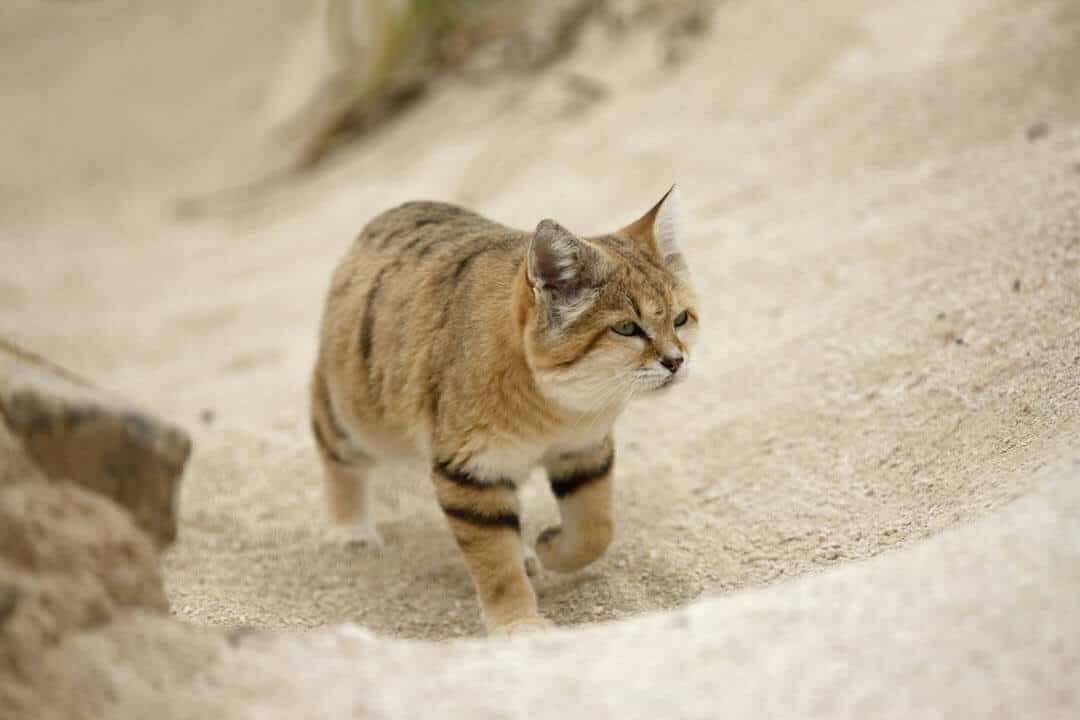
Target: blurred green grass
409,42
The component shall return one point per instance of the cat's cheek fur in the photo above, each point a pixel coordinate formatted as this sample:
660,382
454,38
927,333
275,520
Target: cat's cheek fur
585,387
599,380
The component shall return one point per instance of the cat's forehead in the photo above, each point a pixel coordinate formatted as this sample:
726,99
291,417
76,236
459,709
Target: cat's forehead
649,290
640,277
649,306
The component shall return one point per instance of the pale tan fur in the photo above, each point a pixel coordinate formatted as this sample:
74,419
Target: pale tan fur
490,351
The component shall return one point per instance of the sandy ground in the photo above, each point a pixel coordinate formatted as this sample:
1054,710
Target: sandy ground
883,217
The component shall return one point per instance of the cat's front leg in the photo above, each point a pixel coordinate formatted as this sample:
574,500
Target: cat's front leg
483,514
582,484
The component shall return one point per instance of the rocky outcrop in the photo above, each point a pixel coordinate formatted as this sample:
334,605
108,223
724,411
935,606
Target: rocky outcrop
69,560
74,432
87,489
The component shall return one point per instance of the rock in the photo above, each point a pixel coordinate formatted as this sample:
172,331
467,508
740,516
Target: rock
69,560
87,485
61,528
129,668
72,431
1037,131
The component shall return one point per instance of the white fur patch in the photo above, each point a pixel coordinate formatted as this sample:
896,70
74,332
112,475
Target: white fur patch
565,253
358,534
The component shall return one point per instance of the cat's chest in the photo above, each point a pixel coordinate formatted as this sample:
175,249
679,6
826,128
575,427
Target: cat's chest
516,457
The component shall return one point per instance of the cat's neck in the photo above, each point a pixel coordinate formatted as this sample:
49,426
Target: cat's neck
560,414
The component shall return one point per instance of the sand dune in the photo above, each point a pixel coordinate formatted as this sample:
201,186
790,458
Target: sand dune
883,210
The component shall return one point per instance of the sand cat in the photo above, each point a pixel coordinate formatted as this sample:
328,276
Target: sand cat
488,352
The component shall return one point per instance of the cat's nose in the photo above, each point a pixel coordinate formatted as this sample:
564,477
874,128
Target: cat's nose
672,362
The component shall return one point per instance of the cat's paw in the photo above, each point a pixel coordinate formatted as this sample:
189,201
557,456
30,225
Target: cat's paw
547,548
558,555
522,626
354,536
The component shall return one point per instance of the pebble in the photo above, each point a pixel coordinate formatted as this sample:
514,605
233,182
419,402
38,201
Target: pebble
1038,131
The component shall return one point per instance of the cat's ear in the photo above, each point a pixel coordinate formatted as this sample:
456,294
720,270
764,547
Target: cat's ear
660,229
561,265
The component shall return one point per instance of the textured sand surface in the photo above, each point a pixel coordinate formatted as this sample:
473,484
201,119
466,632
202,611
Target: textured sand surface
883,217
975,623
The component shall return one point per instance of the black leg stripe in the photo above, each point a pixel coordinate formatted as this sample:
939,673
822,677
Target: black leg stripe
328,407
501,520
367,322
321,440
564,485
466,479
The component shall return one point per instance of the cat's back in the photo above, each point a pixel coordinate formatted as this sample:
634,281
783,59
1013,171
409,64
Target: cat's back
419,244
421,226
415,282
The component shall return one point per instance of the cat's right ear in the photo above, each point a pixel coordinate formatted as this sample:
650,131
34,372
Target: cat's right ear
659,231
561,266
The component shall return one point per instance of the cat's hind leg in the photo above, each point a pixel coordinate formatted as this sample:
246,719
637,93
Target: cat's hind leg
347,476
349,503
582,484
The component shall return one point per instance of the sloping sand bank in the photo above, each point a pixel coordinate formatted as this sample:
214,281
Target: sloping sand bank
883,216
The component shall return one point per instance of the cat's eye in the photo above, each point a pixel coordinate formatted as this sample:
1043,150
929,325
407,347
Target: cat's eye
681,319
626,328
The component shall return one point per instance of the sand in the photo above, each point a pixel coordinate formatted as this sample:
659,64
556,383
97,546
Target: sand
883,219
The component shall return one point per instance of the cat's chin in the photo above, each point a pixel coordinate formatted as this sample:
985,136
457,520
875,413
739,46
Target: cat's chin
667,383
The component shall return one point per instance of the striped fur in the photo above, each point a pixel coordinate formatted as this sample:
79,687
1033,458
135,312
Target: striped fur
573,480
491,351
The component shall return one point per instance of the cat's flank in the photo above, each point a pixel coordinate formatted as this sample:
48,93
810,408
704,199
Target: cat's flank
489,351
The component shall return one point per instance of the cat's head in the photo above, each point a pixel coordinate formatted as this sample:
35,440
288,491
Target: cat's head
610,316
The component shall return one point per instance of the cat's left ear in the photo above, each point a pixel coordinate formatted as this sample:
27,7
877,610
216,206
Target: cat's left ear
561,264
660,229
